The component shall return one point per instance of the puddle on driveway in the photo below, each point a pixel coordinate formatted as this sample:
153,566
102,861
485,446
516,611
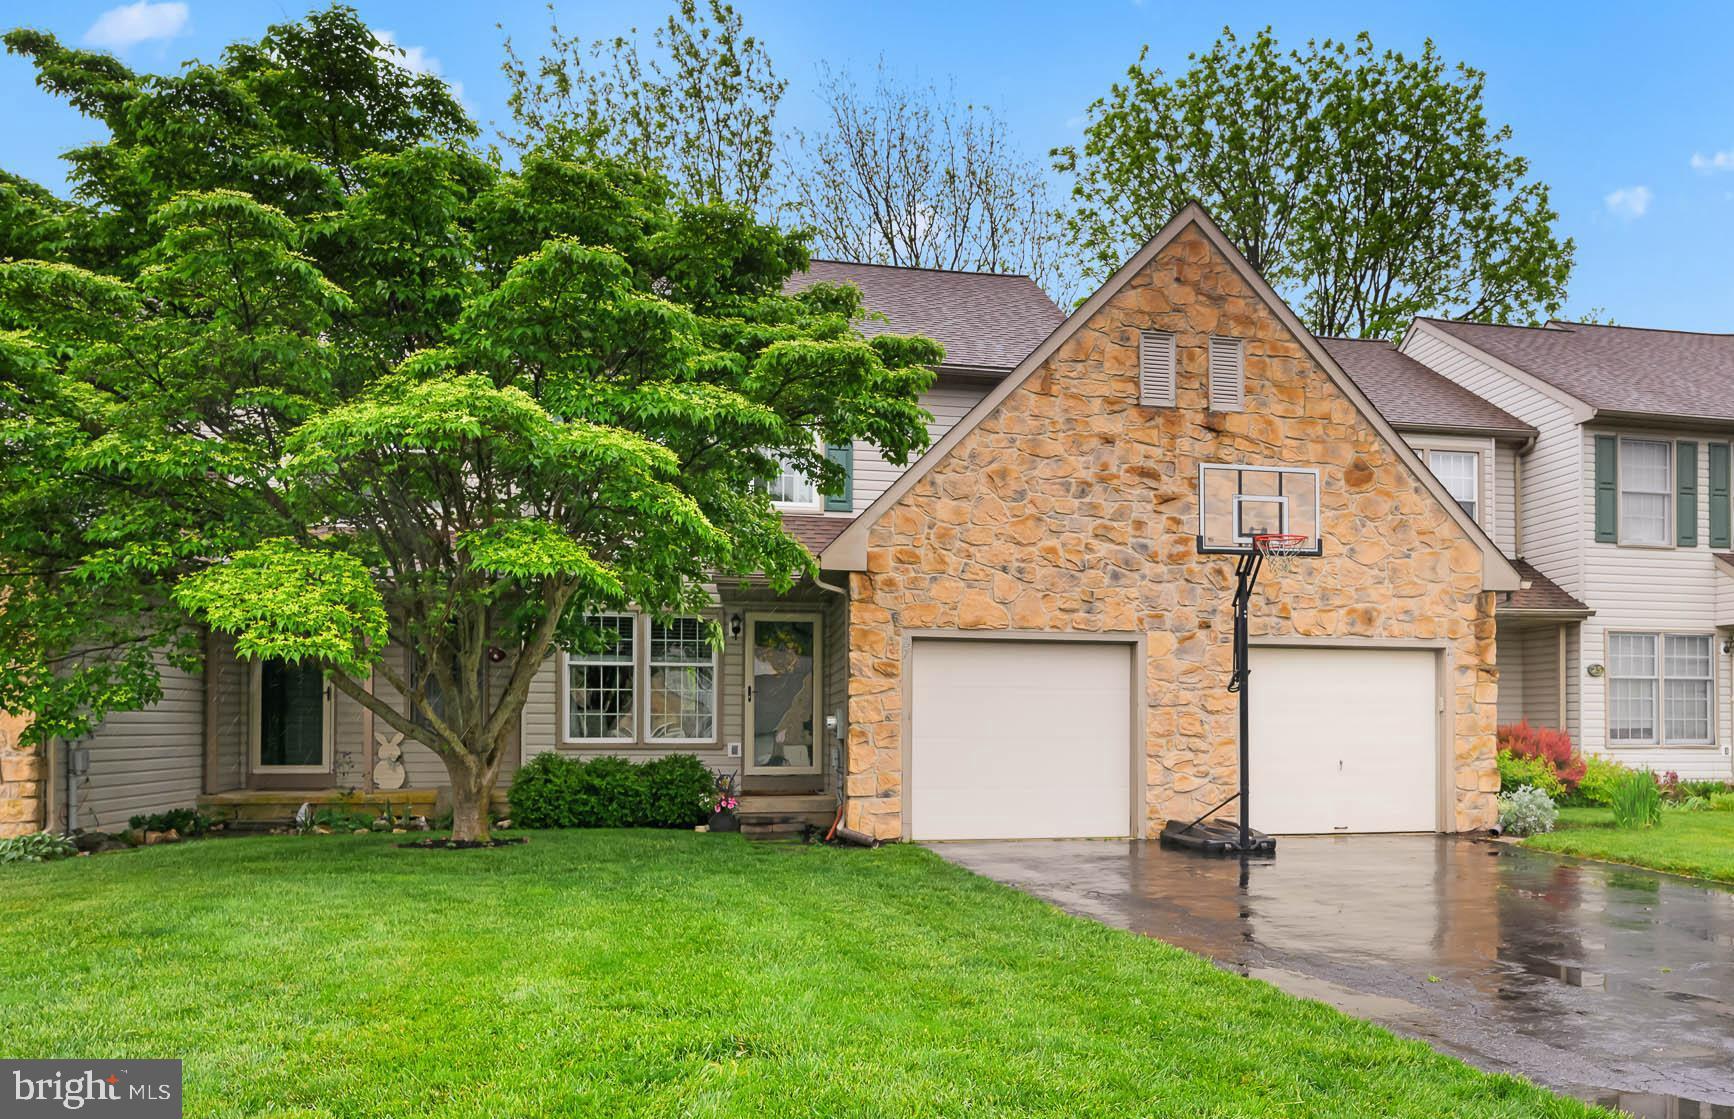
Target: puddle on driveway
1605,983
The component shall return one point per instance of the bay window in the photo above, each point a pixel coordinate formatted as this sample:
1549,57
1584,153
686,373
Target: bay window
1661,689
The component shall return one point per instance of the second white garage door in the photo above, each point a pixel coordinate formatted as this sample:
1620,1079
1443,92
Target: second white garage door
1019,740
1344,740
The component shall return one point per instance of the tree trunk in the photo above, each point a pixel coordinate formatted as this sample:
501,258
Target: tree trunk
472,790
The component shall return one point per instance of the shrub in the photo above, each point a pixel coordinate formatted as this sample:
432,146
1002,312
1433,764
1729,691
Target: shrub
37,847
682,791
1597,786
544,793
1637,800
1526,811
1694,804
1722,802
612,794
552,791
1687,790
1517,772
184,821
1549,745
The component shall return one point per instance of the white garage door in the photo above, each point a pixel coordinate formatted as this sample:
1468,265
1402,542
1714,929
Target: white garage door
1019,740
1344,740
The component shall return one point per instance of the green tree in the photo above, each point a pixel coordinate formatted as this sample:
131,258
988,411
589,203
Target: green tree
1366,186
298,365
701,109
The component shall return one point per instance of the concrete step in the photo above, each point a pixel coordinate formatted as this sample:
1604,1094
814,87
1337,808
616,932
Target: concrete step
785,816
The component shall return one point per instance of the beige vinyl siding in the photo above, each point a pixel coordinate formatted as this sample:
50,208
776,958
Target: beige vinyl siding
1510,649
1649,590
1552,469
1541,645
1505,498
950,397
146,761
231,681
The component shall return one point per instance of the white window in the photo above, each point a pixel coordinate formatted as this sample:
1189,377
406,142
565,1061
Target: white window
1156,368
601,687
1227,374
1646,491
1460,472
676,665
682,675
1660,682
791,489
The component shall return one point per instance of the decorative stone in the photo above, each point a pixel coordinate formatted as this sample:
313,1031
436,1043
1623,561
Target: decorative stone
1092,503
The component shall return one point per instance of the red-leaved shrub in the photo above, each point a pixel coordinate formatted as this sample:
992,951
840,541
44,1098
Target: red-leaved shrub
1552,746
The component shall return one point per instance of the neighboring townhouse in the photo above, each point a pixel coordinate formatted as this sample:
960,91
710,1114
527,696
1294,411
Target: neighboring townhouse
1623,528
1028,631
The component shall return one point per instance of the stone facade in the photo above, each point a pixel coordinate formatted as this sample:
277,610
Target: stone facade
1073,508
23,774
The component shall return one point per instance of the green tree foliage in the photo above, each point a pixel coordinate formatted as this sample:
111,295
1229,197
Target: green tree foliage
701,109
296,364
1366,186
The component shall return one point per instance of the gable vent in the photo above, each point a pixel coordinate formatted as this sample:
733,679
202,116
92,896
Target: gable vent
1156,368
1227,375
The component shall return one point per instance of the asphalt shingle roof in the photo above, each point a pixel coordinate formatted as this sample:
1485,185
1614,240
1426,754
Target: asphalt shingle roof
815,531
1617,368
1411,395
1542,594
985,320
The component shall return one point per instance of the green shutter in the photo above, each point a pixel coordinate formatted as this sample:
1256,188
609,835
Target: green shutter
1607,489
843,455
1686,493
1719,510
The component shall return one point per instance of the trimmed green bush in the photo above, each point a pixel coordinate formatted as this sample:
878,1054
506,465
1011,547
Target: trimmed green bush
184,821
682,791
1637,801
1526,811
1597,786
553,791
1537,773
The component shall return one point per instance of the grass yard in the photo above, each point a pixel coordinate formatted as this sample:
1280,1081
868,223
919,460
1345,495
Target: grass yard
1700,844
663,974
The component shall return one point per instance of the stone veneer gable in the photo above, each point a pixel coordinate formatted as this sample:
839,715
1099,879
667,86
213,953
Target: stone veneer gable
1071,507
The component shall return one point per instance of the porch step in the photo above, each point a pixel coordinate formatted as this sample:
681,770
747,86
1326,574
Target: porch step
785,815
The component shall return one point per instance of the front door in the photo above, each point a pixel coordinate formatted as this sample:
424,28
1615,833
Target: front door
292,722
783,679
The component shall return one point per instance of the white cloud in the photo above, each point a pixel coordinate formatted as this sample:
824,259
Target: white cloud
414,59
132,24
1629,202
1715,161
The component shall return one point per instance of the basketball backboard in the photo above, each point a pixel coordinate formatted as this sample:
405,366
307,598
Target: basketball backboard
1238,502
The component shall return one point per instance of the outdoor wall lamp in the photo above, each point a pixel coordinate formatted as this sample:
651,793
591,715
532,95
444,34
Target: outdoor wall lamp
735,625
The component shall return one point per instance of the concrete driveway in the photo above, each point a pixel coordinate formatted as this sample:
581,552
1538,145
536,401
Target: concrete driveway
1608,983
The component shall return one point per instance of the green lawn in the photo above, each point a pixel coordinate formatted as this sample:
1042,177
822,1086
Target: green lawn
1697,843
663,974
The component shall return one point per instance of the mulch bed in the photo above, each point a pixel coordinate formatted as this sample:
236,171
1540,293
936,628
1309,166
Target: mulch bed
463,844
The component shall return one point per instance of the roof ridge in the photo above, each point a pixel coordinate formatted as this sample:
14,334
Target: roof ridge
1647,329
923,268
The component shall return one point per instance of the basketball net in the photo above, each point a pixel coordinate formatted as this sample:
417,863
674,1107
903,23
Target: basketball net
1280,550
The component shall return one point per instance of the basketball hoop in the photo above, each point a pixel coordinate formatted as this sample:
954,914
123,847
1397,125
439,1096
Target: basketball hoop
1279,549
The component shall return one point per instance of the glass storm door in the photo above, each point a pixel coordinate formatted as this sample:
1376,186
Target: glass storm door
292,718
783,676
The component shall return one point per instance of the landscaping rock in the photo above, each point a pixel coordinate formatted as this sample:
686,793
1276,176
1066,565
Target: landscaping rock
362,831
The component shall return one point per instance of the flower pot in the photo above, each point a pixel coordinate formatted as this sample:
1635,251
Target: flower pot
724,821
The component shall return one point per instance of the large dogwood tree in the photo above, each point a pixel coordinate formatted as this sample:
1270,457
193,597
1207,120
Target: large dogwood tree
295,363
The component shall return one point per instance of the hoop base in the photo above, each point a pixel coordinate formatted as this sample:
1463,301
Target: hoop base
1216,837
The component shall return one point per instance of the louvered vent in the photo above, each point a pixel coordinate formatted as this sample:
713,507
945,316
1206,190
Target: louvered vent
1156,368
1227,375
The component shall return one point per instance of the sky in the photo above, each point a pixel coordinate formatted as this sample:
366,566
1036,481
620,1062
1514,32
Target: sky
1626,110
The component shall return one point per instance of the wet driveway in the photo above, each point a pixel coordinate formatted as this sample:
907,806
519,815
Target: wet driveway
1603,982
